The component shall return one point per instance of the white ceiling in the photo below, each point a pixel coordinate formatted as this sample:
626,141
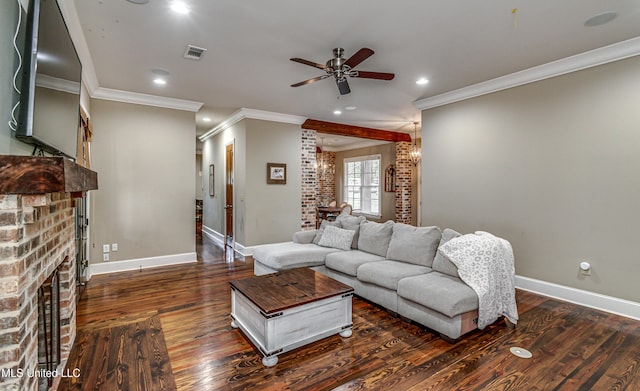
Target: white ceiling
249,43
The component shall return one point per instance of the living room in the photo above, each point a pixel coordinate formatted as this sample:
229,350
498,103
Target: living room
544,158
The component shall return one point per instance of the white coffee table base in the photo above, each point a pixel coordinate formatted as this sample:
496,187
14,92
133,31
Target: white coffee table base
289,329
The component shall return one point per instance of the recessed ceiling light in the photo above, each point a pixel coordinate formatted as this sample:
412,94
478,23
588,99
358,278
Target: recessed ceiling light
600,19
179,7
337,112
160,81
350,108
422,81
206,119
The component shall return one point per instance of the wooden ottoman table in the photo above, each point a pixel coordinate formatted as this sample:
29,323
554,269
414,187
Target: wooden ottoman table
282,311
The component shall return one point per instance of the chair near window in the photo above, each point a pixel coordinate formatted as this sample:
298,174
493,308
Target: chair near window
343,203
346,209
333,203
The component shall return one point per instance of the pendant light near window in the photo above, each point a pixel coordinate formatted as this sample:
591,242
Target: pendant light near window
325,167
415,155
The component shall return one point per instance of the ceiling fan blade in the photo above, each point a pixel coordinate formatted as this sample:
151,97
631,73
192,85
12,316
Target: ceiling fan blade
310,81
374,75
343,86
359,57
310,63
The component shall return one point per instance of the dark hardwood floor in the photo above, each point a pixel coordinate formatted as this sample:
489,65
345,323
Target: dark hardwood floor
574,348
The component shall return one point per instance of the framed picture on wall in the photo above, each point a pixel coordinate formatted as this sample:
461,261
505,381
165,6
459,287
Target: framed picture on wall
276,173
211,177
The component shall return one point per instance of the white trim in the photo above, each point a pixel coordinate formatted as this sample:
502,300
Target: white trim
219,239
141,263
145,99
252,114
55,83
614,305
592,58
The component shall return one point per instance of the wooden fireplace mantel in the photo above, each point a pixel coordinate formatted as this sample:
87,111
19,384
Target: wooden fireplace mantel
39,175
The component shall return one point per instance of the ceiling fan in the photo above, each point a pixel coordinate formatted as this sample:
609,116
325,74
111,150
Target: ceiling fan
340,68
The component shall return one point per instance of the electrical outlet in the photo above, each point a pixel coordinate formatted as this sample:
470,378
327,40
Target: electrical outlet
105,248
105,257
114,247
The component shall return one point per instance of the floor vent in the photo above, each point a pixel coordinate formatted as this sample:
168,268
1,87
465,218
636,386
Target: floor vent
194,52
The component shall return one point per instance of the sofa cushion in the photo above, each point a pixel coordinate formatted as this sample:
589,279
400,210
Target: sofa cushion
353,223
348,262
440,292
282,256
411,244
374,237
387,273
337,238
320,231
441,263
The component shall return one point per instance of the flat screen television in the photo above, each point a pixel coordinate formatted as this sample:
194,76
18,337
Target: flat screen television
52,73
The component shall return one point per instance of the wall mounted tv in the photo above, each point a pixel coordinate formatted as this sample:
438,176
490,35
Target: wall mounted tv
50,96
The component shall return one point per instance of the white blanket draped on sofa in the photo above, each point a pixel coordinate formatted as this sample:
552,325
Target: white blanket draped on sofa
485,263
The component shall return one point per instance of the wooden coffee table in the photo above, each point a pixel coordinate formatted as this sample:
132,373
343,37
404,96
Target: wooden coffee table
282,311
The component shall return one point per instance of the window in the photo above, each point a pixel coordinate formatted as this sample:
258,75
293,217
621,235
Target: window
362,184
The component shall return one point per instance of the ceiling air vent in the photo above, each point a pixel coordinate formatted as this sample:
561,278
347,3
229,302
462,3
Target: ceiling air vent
194,52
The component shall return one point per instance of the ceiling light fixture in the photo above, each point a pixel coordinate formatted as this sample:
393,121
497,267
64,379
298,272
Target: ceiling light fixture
179,7
337,112
206,119
350,108
160,76
422,81
415,155
600,19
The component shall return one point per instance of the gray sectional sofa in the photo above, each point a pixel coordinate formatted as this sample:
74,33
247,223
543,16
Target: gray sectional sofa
397,266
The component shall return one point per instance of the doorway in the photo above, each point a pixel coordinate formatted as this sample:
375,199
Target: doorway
228,207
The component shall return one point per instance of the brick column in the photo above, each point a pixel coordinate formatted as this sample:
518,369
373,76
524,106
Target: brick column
326,187
403,183
309,179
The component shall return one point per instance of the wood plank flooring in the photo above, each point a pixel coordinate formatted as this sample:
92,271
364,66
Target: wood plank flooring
574,348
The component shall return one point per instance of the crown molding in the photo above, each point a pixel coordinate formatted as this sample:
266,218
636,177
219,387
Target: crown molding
592,58
245,113
144,99
55,83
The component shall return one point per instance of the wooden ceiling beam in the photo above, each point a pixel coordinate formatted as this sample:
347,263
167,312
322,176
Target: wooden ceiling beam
355,131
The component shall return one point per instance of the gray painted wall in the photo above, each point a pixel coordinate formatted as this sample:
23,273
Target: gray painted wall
263,213
550,166
144,157
9,145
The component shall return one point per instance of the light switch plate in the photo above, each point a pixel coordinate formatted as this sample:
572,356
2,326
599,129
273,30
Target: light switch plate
105,248
114,247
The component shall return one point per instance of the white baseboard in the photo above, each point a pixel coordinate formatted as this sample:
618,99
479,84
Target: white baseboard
614,305
141,263
219,238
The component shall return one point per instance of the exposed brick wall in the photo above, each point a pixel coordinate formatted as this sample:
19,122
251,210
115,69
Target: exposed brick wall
309,179
37,235
403,183
326,187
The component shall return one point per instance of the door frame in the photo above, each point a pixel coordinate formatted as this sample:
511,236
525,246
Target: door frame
233,192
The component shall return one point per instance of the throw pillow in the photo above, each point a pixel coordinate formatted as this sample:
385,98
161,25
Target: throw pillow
374,237
441,263
352,223
337,238
323,225
415,245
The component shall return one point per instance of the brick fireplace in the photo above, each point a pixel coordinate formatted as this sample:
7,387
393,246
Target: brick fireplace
37,237
38,250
